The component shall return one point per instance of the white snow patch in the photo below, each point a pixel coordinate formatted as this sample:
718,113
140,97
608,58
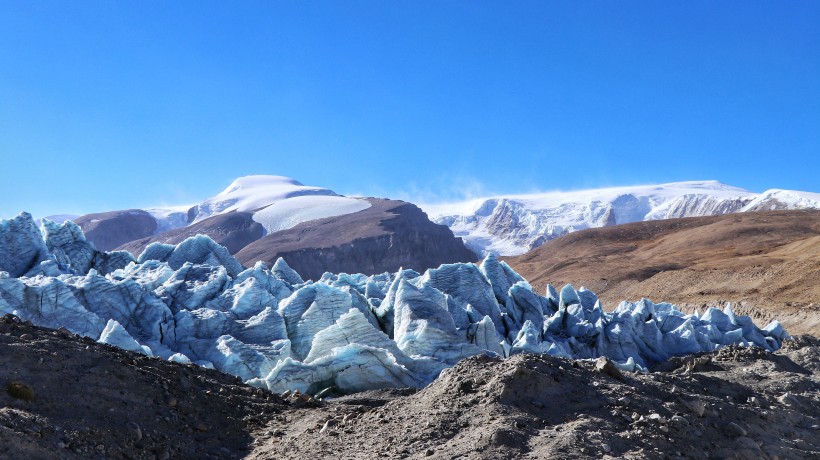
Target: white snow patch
785,199
169,217
250,193
557,198
288,213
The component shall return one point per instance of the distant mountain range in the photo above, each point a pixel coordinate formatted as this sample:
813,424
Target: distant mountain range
515,224
265,217
262,218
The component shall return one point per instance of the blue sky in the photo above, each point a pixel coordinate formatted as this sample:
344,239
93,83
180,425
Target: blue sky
109,105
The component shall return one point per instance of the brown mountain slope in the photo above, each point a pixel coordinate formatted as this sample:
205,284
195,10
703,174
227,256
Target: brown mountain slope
107,230
234,230
767,263
388,235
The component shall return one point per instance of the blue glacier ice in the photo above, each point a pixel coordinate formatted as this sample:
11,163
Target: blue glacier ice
282,271
193,303
198,249
22,247
116,335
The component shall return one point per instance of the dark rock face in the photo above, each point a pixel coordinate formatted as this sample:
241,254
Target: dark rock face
233,230
108,230
385,237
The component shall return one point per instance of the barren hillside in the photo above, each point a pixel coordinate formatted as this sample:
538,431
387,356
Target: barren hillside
766,263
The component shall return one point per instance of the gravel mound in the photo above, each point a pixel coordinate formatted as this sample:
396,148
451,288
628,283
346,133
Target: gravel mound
69,397
736,403
95,401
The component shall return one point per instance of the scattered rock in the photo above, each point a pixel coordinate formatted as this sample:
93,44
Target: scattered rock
657,418
678,420
605,366
20,390
733,429
788,399
696,406
698,364
328,425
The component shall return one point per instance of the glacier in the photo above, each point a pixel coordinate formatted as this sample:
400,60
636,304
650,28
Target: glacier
193,303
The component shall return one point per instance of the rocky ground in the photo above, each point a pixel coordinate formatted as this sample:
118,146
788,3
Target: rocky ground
68,397
64,396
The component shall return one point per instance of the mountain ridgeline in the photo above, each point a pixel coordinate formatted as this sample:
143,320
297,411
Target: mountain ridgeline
261,218
514,224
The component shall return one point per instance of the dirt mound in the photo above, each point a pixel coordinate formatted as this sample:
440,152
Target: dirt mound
746,404
95,401
767,263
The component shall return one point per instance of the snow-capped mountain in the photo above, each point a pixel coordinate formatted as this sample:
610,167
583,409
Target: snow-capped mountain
514,224
261,205
276,202
262,218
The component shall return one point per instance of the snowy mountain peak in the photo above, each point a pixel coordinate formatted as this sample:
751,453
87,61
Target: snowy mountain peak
514,224
784,199
277,202
252,193
262,182
702,185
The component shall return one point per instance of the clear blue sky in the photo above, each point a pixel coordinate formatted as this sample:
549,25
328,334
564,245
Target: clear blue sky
109,105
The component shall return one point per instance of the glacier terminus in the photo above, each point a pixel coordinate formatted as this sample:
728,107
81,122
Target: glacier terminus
194,303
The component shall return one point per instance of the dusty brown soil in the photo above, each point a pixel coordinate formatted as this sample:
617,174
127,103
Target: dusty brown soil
767,263
94,401
89,400
730,405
